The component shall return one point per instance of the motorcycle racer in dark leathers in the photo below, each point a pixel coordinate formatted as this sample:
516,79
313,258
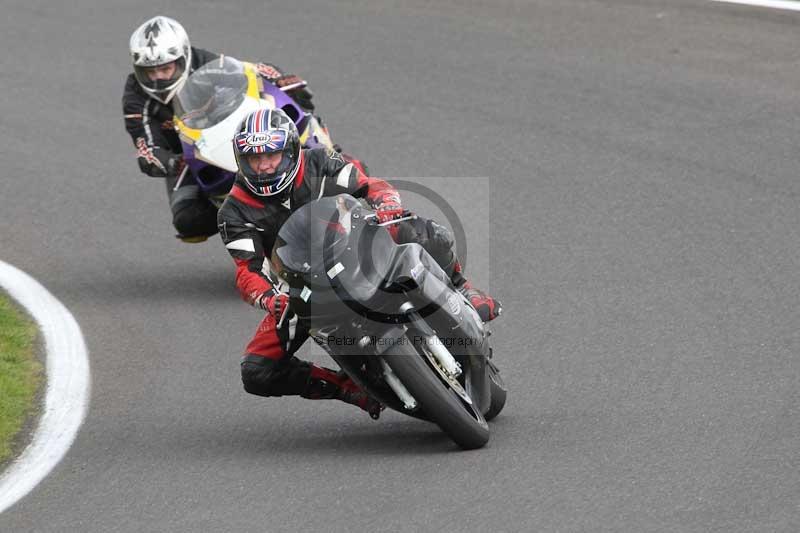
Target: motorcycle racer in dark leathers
163,58
276,177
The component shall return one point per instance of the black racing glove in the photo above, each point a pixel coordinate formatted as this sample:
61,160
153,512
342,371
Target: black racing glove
160,163
303,98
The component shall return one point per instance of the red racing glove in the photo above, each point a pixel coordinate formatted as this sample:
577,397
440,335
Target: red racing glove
274,304
389,211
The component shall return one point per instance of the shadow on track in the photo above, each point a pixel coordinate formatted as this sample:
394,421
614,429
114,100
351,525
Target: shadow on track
289,438
167,283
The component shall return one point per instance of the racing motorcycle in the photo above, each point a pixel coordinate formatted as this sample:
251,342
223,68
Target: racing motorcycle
389,316
210,107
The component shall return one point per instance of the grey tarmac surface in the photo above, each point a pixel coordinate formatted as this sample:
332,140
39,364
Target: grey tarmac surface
638,201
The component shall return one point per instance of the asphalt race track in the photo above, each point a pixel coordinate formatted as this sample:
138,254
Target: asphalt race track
627,175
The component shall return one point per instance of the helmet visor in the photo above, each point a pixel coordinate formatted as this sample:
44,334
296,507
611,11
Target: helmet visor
161,78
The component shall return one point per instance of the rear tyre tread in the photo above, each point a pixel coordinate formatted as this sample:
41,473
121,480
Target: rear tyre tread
499,393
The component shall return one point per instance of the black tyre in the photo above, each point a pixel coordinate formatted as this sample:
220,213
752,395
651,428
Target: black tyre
499,392
462,422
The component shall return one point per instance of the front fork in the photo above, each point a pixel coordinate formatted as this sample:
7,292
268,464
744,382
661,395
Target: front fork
365,366
474,384
470,383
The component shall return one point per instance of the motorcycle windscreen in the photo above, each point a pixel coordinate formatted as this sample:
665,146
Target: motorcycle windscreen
316,235
211,93
328,243
214,144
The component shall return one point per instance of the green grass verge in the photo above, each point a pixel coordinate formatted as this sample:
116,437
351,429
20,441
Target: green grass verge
20,374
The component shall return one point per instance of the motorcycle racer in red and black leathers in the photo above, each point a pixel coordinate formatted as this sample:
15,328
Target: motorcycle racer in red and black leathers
162,60
275,178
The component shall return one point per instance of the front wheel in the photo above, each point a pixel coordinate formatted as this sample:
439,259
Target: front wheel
461,421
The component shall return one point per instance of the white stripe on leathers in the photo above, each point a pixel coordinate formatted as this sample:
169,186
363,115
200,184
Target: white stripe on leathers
246,245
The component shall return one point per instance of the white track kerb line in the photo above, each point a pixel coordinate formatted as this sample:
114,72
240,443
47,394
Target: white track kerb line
67,386
775,4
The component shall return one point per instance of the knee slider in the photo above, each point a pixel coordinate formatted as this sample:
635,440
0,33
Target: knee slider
259,375
267,377
195,218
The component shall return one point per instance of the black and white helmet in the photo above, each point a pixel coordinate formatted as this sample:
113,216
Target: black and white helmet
159,41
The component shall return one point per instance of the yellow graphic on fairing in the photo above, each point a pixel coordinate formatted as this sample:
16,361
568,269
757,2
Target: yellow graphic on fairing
187,134
253,81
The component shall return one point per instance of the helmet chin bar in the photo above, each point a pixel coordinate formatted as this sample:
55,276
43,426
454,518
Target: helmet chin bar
264,190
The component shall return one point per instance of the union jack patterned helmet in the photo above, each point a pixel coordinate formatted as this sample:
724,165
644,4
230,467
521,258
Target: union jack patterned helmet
268,131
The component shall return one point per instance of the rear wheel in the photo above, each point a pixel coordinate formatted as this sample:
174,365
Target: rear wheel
499,392
460,420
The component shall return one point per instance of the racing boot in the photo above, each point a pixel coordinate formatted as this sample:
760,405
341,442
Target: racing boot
325,384
487,307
